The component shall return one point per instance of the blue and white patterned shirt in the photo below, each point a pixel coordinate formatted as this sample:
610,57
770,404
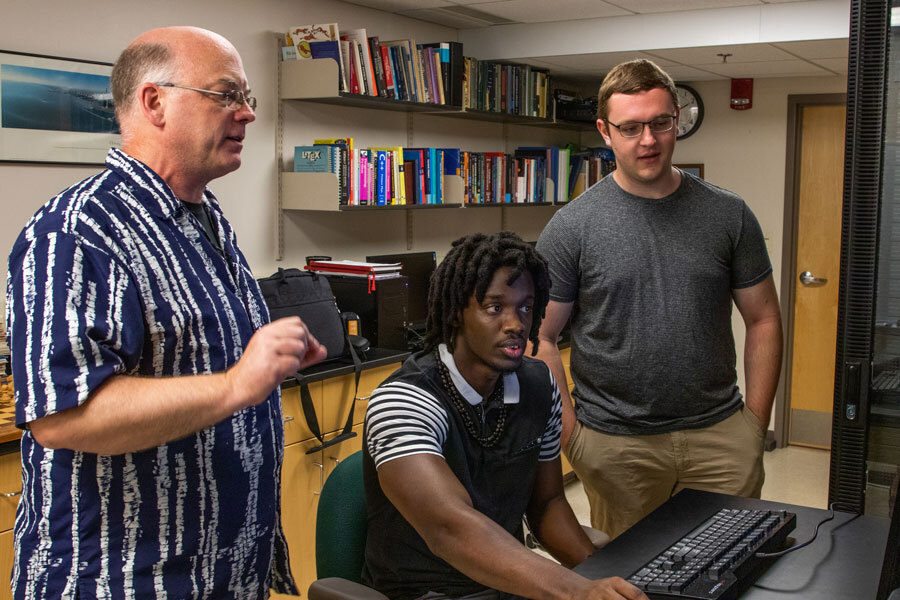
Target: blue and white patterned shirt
114,277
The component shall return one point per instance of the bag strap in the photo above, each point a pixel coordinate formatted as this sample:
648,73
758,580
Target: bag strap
309,411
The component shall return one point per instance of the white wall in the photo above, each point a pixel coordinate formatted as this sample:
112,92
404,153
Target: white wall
742,151
100,29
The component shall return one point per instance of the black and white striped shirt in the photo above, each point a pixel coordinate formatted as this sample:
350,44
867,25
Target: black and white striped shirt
403,419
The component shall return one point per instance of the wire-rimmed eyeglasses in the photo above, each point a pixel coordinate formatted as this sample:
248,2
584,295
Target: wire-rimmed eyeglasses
233,99
632,129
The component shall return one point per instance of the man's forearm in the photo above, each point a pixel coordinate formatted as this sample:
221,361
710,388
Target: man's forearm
500,562
128,414
762,366
559,532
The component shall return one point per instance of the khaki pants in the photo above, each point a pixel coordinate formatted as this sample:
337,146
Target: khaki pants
627,476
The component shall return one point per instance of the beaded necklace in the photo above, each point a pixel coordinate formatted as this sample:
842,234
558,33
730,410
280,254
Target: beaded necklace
467,411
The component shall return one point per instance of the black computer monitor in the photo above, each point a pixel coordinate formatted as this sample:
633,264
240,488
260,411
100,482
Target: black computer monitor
418,267
890,570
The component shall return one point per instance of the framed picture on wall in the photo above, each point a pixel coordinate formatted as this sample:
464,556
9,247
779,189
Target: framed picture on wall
56,110
695,169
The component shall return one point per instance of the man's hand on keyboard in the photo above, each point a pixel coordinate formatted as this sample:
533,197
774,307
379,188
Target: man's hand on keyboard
613,588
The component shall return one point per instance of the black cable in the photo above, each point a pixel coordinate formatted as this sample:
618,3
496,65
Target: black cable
807,542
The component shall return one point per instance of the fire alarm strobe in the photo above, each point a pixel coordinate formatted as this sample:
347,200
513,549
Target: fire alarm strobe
741,94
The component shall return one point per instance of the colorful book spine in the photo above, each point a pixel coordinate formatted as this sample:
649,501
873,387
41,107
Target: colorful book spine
365,193
380,177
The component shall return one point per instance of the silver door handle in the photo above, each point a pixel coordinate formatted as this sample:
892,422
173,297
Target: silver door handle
807,278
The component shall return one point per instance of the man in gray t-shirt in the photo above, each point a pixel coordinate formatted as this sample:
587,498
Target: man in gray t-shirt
647,263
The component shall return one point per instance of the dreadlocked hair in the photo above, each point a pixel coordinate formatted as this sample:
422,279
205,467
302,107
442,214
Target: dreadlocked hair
468,269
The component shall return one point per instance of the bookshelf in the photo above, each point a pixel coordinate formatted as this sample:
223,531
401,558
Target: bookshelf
319,192
317,81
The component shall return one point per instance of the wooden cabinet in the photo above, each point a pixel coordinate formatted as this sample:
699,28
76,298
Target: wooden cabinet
339,391
304,474
6,563
295,428
10,491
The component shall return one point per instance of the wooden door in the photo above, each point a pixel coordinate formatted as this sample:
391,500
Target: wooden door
820,187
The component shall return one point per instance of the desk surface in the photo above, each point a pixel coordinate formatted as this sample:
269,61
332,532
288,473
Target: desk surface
843,563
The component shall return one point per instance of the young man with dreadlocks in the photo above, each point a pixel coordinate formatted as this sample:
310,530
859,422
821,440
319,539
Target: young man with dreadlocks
463,441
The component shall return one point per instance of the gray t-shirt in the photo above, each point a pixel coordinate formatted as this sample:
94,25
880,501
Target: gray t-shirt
651,279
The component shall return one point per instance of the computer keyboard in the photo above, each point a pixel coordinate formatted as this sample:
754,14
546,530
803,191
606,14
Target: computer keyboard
716,560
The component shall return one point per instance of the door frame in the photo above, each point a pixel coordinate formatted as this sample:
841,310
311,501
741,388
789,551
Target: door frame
796,102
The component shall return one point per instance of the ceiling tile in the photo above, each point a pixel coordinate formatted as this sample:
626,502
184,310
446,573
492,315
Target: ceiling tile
775,68
399,5
685,73
542,11
707,55
837,65
443,17
839,48
658,6
601,61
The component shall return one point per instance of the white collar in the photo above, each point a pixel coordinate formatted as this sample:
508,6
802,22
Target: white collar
510,381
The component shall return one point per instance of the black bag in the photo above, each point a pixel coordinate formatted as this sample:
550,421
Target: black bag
292,292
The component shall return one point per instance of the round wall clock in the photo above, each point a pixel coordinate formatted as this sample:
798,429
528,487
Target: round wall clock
691,107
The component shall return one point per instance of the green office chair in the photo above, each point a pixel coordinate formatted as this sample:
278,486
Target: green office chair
341,536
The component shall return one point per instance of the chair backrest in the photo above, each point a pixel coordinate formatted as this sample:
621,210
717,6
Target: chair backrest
341,522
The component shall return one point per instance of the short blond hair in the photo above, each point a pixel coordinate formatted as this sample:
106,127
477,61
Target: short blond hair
633,77
139,63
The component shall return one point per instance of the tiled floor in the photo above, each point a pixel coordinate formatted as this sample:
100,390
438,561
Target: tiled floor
794,475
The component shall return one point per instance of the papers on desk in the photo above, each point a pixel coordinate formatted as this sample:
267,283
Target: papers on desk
354,268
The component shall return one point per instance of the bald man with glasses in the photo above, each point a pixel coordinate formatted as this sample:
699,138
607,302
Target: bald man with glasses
147,372
647,263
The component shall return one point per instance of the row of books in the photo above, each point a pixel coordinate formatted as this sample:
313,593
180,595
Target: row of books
530,175
513,89
398,69
435,73
381,176
390,176
589,166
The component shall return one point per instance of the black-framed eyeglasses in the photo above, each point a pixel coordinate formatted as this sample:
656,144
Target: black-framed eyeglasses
233,99
632,129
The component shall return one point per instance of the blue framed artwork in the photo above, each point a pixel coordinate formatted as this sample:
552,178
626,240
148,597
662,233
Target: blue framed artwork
55,109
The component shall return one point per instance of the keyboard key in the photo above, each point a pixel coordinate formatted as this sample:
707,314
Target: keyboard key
700,564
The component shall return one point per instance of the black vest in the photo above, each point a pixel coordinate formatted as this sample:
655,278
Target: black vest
499,481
